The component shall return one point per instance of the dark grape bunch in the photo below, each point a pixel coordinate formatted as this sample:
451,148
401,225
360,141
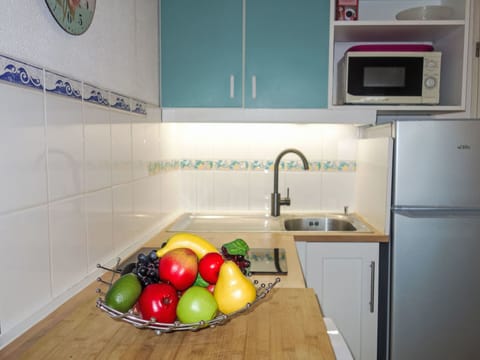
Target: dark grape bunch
146,268
240,260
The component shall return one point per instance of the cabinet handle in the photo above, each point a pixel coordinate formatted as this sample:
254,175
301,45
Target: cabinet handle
372,286
232,86
254,87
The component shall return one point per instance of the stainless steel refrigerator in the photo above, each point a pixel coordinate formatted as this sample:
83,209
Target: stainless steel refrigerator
435,245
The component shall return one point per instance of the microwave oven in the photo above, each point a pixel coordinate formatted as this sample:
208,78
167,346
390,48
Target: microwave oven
389,77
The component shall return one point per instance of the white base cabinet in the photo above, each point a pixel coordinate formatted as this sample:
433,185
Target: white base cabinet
345,279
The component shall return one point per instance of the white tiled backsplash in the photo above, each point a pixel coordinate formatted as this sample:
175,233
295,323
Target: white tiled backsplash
74,187
239,172
82,181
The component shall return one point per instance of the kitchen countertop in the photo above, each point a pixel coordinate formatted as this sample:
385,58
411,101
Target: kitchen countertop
288,323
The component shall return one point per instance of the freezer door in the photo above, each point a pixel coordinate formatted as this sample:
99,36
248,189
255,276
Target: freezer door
435,287
437,163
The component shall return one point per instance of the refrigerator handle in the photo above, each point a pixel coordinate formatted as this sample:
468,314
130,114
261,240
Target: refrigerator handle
372,286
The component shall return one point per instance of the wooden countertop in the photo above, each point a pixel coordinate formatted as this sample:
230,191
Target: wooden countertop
286,324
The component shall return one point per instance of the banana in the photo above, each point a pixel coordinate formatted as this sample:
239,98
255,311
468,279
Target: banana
197,244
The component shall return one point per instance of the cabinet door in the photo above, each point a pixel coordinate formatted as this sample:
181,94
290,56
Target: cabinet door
201,53
287,47
343,276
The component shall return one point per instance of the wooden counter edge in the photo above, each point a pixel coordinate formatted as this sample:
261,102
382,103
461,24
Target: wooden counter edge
342,237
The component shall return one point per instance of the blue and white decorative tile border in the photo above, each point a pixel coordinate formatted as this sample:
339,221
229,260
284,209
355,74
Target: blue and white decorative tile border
62,85
155,167
139,107
120,102
95,95
20,73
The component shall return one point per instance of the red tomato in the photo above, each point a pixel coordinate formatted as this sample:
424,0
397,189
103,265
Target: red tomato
209,267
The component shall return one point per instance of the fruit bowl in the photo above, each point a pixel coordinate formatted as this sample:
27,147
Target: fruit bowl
134,318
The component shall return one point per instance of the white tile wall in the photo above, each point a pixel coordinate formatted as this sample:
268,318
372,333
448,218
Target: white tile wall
99,214
146,203
230,190
68,238
260,186
121,147
305,190
98,149
23,175
65,146
145,144
338,190
24,265
204,190
68,198
123,219
170,186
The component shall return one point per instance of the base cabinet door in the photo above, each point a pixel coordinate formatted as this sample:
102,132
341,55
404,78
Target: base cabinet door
345,279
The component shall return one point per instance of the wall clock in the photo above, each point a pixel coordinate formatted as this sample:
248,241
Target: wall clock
74,16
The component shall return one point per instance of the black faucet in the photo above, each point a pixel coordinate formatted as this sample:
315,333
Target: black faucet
276,199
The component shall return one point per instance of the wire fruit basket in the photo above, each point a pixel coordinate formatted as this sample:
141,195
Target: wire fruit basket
134,318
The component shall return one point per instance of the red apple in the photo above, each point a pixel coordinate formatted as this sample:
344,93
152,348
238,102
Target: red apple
159,301
211,288
209,267
179,267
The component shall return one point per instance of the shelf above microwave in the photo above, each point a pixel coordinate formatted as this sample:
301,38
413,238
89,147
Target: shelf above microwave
403,31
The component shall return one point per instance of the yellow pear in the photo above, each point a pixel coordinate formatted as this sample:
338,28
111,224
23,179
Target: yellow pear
233,289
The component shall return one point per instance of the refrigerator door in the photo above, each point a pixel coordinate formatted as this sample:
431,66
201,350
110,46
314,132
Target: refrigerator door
437,163
435,294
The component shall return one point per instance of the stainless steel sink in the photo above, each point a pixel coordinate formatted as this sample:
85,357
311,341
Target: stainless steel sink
326,223
318,224
257,222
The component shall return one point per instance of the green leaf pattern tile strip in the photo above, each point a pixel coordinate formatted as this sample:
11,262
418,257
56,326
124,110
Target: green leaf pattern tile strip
156,167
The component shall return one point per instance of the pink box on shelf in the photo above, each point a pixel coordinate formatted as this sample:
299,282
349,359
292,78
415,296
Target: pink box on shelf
346,10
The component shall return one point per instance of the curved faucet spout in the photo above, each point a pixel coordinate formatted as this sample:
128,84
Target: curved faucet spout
276,200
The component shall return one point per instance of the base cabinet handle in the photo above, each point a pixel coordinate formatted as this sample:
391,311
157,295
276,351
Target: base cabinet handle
372,286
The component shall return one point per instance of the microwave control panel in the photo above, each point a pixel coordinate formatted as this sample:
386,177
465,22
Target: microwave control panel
431,77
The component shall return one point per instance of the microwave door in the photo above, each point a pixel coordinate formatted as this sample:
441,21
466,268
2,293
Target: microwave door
385,76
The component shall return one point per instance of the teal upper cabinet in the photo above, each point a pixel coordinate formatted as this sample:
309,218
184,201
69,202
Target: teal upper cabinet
287,50
201,53
244,53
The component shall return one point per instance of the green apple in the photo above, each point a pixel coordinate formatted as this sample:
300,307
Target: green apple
196,304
